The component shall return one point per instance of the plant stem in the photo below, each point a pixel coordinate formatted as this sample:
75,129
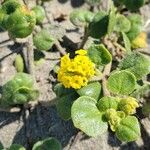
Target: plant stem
85,38
106,72
30,55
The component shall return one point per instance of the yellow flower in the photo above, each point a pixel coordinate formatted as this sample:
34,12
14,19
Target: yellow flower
81,52
75,73
140,41
129,105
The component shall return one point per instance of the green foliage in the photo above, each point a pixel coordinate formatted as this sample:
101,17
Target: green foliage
107,102
19,64
122,23
129,129
47,144
19,90
136,26
65,98
121,82
93,2
136,63
87,117
111,20
126,42
141,91
99,25
16,147
99,54
93,117
17,19
39,13
43,40
92,90
133,5
81,17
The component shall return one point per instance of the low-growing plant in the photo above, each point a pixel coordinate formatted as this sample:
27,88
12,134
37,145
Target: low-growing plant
46,144
92,93
19,90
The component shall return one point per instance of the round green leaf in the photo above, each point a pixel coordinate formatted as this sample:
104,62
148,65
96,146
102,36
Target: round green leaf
99,54
108,102
137,63
98,27
136,26
129,129
121,82
39,13
92,90
87,117
48,144
81,17
122,24
43,40
16,147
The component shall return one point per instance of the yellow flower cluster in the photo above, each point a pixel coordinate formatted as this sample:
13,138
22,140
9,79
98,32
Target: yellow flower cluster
129,105
140,41
75,73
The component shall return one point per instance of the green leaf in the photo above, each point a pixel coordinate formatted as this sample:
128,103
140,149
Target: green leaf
92,90
134,5
16,147
64,105
99,26
136,26
86,116
122,23
121,82
127,43
137,63
81,17
19,64
47,144
129,129
19,90
99,54
43,40
112,20
141,91
107,102
65,98
60,90
39,13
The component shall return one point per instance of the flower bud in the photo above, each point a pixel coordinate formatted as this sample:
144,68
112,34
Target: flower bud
128,105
